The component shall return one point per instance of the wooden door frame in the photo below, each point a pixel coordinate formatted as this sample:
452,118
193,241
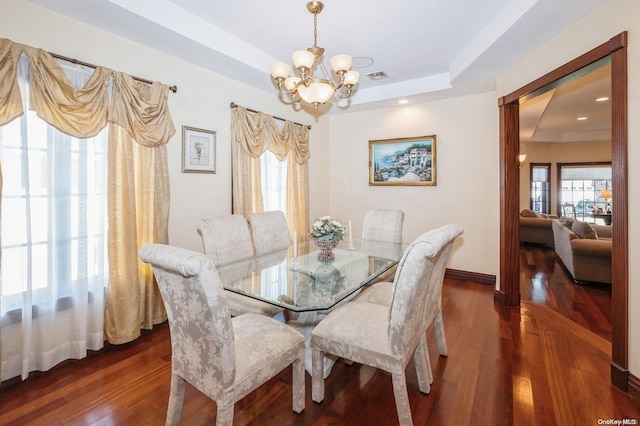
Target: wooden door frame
509,292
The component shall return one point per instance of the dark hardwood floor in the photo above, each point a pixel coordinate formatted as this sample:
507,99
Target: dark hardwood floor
546,363
545,281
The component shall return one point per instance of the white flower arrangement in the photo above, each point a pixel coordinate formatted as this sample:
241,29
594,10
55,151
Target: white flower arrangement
327,228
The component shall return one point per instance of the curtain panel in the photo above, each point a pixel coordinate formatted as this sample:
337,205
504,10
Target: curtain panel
252,135
139,127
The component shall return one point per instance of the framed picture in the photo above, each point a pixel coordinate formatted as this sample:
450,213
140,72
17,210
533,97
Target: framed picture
404,161
198,150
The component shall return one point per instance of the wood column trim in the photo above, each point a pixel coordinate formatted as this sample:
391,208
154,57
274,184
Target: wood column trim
509,181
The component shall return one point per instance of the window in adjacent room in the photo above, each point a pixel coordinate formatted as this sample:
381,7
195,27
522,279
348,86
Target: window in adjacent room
582,185
540,187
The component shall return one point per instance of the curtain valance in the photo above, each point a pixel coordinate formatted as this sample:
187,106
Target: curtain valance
258,132
141,109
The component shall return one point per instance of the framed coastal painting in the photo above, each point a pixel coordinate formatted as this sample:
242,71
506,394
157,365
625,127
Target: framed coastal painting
403,161
198,150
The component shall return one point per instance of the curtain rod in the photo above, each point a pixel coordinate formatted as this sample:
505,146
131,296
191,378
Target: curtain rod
173,88
235,105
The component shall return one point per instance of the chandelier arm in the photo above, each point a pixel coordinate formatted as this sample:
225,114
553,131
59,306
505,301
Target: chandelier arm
294,90
346,95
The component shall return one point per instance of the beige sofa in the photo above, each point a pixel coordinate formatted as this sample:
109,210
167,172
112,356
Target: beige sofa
536,230
586,259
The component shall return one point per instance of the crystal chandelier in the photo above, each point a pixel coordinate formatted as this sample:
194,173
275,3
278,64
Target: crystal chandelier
304,85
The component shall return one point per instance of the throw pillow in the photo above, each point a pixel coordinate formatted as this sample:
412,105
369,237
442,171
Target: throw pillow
528,213
584,230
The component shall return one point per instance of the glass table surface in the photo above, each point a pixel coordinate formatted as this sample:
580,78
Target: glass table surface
306,283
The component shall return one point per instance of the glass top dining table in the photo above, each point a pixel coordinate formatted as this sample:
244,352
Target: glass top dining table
305,283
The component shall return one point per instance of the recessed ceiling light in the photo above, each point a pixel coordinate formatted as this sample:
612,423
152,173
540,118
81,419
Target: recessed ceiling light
602,99
581,118
403,101
360,62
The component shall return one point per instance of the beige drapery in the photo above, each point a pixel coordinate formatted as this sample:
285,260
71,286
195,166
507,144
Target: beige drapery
253,134
138,193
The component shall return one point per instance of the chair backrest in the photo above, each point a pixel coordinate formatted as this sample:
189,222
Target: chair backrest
568,210
418,282
270,231
226,238
383,225
202,343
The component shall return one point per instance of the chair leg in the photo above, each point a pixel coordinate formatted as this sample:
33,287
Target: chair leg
224,415
298,384
438,325
176,400
423,365
402,399
317,375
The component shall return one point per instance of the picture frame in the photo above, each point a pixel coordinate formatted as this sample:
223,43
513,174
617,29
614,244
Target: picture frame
403,161
198,150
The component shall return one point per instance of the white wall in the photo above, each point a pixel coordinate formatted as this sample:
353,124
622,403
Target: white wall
611,19
202,101
554,153
467,190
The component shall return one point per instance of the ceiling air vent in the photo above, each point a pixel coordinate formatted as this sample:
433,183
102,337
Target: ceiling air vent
379,75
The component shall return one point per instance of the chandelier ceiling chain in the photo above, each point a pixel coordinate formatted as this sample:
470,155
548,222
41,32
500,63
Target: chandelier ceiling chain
304,86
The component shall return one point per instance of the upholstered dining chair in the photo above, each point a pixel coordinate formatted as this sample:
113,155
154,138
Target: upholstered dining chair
270,231
386,337
227,238
381,293
383,225
225,358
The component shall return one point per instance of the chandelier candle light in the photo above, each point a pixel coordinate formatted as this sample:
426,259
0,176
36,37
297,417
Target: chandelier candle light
305,86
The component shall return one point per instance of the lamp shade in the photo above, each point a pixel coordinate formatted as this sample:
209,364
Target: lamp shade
341,63
303,58
351,78
317,92
605,193
280,70
291,82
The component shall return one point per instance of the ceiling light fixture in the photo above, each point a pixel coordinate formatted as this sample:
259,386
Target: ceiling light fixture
581,118
305,86
602,99
403,101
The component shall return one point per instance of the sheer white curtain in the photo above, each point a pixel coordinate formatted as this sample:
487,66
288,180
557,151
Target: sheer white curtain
54,269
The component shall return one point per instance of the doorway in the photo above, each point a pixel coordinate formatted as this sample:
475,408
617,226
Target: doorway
509,293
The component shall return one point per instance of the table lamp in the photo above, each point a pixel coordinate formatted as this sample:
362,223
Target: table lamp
606,194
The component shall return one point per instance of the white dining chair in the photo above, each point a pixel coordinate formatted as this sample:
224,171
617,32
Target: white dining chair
223,357
385,226
270,231
386,337
226,239
381,293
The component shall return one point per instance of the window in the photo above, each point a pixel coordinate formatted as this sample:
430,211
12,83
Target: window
274,182
540,187
54,257
53,208
581,185
274,197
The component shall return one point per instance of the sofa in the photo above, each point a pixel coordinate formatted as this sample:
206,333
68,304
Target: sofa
536,228
584,249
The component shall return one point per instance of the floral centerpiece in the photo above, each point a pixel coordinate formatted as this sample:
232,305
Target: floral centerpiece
327,233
